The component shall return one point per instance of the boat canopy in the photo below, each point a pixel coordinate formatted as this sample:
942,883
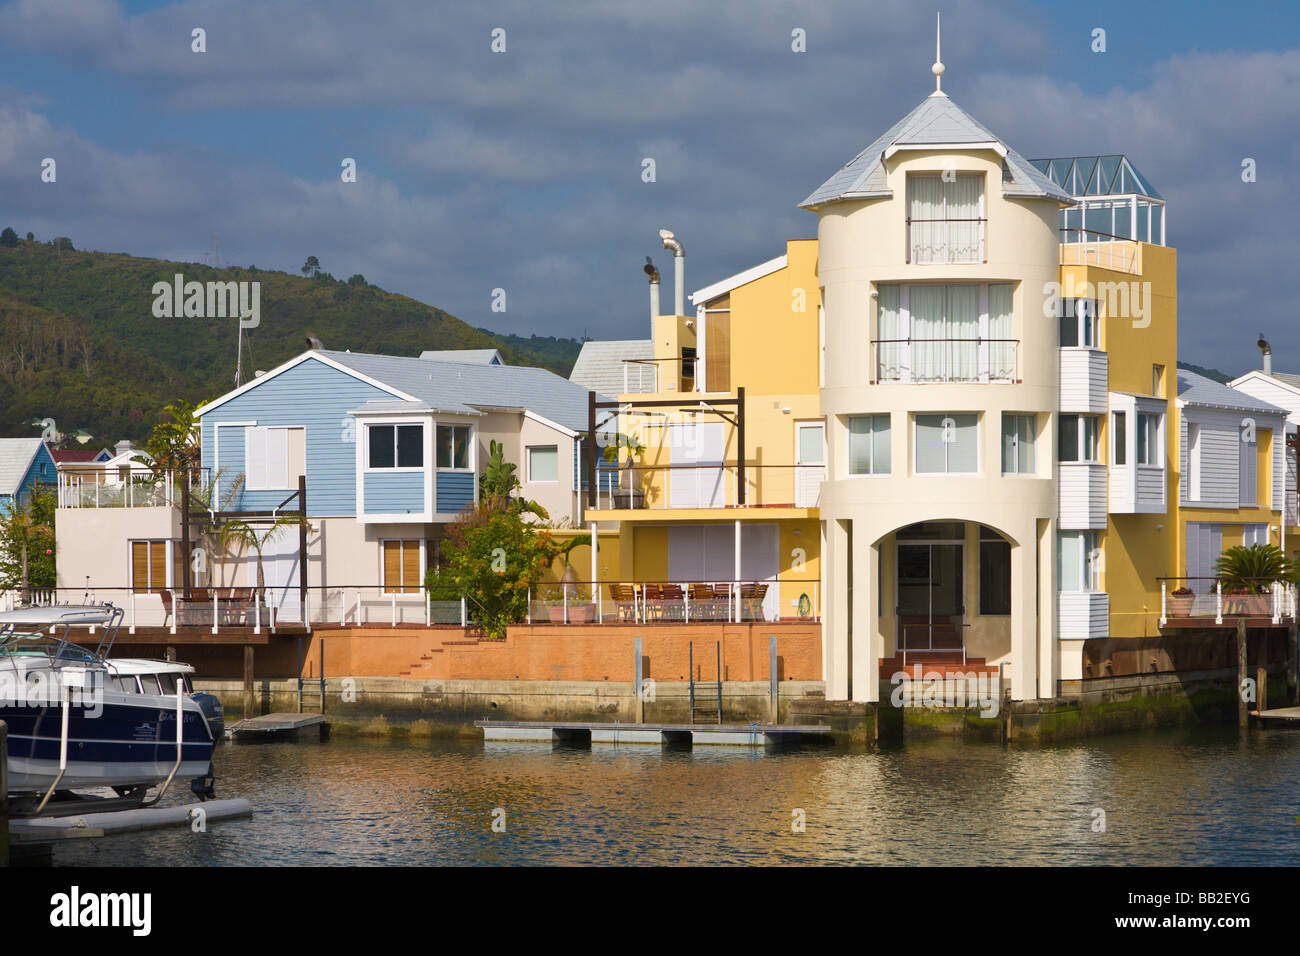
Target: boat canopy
44,616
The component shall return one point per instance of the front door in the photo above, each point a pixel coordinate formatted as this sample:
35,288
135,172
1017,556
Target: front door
931,609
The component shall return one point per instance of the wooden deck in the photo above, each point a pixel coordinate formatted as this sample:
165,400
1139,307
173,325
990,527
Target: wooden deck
744,735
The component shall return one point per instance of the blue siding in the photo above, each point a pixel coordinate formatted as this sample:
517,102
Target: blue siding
312,395
455,491
401,492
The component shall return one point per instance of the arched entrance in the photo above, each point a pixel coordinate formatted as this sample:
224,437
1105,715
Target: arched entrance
930,589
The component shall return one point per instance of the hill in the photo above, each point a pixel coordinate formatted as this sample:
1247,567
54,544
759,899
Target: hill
81,343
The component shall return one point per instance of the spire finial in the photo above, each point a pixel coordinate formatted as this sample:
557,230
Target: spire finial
937,69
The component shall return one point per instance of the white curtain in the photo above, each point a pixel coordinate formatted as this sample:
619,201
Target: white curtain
1002,355
963,332
964,204
927,226
889,330
926,304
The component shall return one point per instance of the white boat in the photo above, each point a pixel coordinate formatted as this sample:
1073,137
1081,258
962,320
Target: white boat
78,719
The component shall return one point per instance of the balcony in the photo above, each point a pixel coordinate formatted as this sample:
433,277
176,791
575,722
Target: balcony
649,376
138,489
928,361
690,486
1087,247
1210,604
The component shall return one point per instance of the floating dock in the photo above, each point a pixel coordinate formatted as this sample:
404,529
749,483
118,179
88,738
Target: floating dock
279,727
1283,714
688,735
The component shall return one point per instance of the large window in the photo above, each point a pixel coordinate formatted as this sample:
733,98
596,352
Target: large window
453,446
1078,438
148,566
995,573
543,463
1079,323
945,218
401,567
1148,439
868,444
274,457
945,333
1119,438
1079,561
1018,444
947,444
396,446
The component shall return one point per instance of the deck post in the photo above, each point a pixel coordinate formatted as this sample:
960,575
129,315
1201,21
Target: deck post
214,610
1218,602
1243,708
464,617
773,683
393,599
131,630
257,612
1164,604
638,709
248,681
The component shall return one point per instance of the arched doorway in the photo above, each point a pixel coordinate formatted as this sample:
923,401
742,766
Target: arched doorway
930,589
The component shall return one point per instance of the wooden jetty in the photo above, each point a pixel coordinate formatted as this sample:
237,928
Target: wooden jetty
579,734
279,727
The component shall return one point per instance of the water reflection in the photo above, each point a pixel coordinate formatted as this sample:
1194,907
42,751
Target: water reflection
1181,797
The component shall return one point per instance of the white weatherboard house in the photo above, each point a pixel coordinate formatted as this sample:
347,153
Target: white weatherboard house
390,449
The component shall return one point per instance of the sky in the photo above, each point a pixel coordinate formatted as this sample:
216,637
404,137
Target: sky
522,170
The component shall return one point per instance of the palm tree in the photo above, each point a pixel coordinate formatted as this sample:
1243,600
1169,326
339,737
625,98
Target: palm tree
20,527
210,498
1253,568
257,537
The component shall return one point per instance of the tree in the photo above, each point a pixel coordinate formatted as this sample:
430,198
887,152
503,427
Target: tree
310,266
31,237
63,243
499,480
27,544
357,279
257,537
1253,568
173,445
8,238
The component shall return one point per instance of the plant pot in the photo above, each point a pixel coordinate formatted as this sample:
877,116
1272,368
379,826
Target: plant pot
578,613
1180,605
1248,604
629,498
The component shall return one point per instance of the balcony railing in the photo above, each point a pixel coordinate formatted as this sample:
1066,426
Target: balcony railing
1210,600
672,602
945,360
648,376
659,487
139,489
1087,247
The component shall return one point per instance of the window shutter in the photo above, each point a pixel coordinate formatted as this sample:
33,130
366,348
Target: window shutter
157,565
411,566
277,458
254,458
139,566
392,565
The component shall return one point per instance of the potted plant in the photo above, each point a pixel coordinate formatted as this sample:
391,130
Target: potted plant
629,493
1247,574
1180,601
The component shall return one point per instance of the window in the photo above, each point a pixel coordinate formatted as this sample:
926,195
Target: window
1079,323
1018,444
453,446
543,463
945,333
1078,439
1148,439
1079,561
947,444
401,567
868,444
810,443
995,573
945,219
1204,545
1119,438
148,566
1254,534
274,457
1158,380
1193,462
1247,470
395,446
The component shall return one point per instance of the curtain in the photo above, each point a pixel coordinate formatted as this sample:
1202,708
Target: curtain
926,212
889,326
1002,355
963,327
964,231
926,305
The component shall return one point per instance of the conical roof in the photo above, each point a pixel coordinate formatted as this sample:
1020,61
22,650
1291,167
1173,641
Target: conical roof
936,121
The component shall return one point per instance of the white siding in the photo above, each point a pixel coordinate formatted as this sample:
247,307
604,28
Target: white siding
1083,381
1082,614
1134,488
1083,496
1220,450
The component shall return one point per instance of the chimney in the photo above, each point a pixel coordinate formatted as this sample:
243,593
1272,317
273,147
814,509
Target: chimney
1268,354
124,446
679,270
653,273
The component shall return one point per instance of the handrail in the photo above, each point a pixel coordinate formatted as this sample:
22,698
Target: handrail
180,720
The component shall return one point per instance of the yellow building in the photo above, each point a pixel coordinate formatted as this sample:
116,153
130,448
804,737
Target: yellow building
951,428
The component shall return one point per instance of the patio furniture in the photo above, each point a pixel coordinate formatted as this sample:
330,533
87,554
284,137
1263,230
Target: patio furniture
624,597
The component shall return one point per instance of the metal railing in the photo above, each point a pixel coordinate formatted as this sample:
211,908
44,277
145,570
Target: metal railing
672,602
1264,597
1088,247
138,489
635,373
920,361
712,486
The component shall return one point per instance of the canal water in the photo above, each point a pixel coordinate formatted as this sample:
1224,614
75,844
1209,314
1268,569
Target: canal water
1204,796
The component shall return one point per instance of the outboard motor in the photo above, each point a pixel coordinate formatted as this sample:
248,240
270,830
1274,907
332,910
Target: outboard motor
213,712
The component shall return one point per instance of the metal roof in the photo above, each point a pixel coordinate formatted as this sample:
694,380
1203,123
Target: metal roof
472,356
1196,389
936,121
1096,175
460,387
599,366
16,456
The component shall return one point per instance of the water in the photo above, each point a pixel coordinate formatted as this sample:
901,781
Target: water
1205,796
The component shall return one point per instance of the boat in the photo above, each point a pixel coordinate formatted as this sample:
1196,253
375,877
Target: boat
80,719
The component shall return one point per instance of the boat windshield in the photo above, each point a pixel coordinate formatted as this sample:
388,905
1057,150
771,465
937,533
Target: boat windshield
42,645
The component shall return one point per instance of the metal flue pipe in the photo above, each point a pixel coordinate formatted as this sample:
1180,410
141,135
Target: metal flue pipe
653,273
672,243
1268,354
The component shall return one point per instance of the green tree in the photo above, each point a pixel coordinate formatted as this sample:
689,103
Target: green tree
1253,567
173,445
27,544
256,537
357,279
8,238
31,237
310,266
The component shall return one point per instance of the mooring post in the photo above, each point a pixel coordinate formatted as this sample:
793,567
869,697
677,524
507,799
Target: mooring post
773,683
248,681
638,709
1243,708
1293,663
298,675
320,645
1261,687
4,794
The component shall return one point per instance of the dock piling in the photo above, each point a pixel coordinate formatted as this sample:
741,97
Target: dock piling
1243,708
248,681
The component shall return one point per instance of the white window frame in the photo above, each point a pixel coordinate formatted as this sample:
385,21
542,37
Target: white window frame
947,232
1154,443
469,447
1195,453
1093,321
168,558
528,458
946,472
1093,447
871,446
264,484
1033,444
395,469
419,584
1088,544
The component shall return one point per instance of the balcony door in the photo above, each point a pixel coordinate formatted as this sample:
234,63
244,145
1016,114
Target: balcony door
702,446
931,609
810,463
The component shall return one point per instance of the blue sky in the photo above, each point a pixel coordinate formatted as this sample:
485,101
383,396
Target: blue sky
522,170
